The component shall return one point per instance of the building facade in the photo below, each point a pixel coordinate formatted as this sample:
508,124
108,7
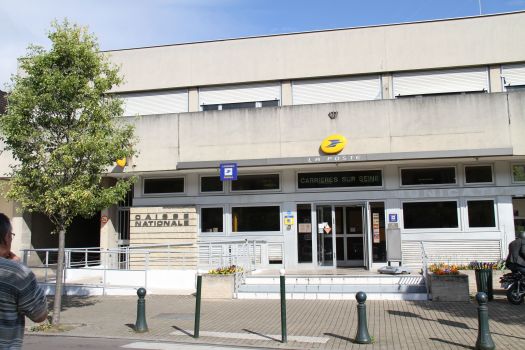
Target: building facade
352,147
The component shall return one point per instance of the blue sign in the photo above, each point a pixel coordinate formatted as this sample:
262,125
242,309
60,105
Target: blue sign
228,172
392,217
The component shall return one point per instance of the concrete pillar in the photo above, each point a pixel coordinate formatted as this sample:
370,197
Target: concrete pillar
286,93
387,86
193,100
495,79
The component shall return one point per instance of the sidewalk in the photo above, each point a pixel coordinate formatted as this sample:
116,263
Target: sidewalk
312,324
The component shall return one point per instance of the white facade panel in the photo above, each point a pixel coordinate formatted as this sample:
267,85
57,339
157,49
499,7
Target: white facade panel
513,74
240,93
336,90
441,81
157,102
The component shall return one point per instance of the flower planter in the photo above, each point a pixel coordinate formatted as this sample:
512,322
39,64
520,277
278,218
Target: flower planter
484,282
448,287
217,286
496,274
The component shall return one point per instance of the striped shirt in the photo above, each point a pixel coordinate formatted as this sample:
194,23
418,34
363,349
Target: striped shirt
20,296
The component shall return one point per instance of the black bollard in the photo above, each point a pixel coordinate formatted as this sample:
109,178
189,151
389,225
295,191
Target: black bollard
197,306
283,308
362,336
484,341
140,324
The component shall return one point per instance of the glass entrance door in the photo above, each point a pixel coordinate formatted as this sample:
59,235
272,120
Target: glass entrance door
325,235
349,233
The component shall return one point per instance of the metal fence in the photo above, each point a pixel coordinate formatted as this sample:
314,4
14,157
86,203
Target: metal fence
113,267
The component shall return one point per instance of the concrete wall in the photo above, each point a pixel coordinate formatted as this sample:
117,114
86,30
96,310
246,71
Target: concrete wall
433,123
435,44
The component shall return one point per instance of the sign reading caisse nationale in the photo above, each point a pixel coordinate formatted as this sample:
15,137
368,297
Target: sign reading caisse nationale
333,144
358,178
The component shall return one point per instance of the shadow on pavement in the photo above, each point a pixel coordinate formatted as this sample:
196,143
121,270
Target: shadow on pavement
340,337
261,335
69,302
452,343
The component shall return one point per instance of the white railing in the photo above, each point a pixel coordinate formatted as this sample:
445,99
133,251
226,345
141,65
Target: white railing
107,267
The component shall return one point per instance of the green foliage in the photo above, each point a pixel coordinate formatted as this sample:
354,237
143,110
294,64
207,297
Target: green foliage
228,270
63,129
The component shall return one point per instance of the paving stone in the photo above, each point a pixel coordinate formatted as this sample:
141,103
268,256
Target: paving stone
393,324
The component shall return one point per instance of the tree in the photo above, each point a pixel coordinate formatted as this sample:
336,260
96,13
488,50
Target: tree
64,133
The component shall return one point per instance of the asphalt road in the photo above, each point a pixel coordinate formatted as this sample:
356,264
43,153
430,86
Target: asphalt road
35,342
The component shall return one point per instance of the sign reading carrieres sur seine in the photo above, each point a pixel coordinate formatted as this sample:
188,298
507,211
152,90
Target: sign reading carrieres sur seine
358,178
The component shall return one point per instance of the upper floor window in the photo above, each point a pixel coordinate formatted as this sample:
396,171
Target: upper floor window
163,185
445,81
428,176
240,96
225,106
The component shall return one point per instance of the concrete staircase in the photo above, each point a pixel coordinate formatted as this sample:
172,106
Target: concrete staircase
337,287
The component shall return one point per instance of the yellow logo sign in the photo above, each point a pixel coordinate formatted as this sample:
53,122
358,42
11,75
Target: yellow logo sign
333,144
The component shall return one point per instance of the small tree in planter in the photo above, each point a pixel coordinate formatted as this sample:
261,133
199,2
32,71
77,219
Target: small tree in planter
447,284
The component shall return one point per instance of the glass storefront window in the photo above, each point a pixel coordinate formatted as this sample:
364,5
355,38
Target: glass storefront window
428,176
164,185
211,184
518,173
478,174
481,213
304,233
430,214
377,229
211,220
256,182
255,219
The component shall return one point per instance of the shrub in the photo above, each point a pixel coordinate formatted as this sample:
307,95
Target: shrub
227,270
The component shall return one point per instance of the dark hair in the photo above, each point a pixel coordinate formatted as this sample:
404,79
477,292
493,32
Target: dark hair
5,227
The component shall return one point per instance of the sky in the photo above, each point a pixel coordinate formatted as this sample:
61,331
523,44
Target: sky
122,24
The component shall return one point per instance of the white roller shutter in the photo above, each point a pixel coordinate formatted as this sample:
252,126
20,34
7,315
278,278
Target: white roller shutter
275,252
336,90
157,102
240,93
451,252
513,75
441,81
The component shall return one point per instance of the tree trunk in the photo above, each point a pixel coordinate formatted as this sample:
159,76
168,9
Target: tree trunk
60,277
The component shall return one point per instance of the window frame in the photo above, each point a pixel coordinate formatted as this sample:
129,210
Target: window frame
331,189
279,174
465,183
455,184
224,231
163,194
210,192
432,230
477,199
253,233
514,182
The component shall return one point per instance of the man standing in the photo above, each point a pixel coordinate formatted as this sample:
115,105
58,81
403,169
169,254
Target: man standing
20,294
516,259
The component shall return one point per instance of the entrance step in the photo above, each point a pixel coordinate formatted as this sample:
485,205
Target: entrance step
377,287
